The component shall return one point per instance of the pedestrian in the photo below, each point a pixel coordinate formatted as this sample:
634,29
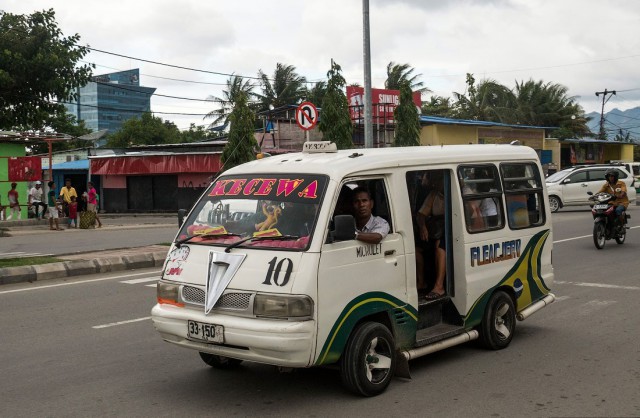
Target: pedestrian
92,202
73,212
35,200
3,214
14,204
65,193
54,204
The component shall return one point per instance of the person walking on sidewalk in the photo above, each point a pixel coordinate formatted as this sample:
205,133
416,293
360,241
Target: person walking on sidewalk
53,207
35,200
92,202
14,204
65,193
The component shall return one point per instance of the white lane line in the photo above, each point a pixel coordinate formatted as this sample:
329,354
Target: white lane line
22,254
113,324
561,298
601,285
143,280
582,236
152,285
74,283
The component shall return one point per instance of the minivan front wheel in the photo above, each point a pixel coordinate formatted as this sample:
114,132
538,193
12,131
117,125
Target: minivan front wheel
554,204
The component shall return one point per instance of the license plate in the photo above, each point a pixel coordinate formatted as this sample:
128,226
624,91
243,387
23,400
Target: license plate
598,207
208,333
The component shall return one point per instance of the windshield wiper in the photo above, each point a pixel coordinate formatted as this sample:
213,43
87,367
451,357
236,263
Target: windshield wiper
190,237
263,238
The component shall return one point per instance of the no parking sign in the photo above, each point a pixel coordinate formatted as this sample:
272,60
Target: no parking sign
306,115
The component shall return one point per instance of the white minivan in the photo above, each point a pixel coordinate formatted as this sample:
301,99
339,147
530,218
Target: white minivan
267,266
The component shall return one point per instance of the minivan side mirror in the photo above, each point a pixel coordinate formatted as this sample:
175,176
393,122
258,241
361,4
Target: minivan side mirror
181,214
345,227
566,181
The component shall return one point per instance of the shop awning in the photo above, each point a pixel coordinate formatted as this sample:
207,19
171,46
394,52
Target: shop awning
156,164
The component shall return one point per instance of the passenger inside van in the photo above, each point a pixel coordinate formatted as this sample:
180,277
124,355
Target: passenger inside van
369,228
432,229
419,190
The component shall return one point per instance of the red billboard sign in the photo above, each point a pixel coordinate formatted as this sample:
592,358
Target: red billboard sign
384,103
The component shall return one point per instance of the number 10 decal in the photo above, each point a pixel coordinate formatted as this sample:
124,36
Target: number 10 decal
275,270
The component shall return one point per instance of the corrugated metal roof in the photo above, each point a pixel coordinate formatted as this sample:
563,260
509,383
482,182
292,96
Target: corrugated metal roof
69,165
435,120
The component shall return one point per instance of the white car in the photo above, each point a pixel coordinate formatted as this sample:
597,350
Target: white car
569,187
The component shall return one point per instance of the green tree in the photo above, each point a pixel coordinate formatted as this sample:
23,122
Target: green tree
198,133
407,129
438,106
38,70
335,121
241,146
489,101
547,104
286,87
146,130
316,94
236,86
399,73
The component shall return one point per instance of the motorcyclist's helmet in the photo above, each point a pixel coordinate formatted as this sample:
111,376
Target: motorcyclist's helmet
612,172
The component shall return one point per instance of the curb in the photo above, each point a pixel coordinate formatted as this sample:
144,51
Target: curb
71,268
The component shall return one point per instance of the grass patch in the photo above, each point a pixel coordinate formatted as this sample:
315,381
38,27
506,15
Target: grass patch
168,244
28,261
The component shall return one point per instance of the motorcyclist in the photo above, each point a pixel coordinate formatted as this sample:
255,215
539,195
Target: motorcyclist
618,189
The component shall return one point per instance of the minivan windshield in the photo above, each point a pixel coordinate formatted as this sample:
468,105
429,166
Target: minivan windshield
262,210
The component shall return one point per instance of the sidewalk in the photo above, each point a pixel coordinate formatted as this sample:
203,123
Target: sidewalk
90,262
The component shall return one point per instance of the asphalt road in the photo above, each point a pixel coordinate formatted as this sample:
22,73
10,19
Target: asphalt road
117,233
85,347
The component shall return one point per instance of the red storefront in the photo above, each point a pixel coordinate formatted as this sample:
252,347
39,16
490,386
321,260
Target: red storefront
153,181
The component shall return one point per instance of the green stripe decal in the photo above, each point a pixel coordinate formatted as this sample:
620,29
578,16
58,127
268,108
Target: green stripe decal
365,305
524,278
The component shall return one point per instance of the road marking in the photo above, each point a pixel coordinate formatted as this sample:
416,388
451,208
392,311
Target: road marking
561,298
152,285
113,324
22,254
583,236
601,285
74,283
142,280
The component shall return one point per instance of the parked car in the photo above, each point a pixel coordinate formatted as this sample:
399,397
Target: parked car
569,187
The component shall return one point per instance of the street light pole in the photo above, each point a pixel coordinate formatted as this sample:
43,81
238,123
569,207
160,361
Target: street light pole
368,119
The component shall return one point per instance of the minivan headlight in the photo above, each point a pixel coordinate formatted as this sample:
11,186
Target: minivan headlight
169,294
283,306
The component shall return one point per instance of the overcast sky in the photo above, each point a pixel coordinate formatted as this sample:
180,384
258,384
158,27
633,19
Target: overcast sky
585,45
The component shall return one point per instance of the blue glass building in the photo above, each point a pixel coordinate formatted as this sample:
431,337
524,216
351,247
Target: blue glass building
110,99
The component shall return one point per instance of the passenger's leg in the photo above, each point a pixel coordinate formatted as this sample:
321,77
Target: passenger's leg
419,268
441,263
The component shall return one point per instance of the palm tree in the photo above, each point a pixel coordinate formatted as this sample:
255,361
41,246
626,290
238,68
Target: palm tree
285,87
236,86
489,101
547,104
316,94
398,73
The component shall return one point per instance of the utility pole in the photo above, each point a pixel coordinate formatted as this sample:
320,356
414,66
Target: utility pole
366,47
604,100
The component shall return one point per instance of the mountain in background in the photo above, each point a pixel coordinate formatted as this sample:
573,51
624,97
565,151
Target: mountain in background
617,122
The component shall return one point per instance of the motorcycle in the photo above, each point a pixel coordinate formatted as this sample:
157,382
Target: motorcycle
605,224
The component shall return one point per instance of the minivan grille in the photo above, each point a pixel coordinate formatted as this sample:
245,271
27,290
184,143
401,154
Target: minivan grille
196,296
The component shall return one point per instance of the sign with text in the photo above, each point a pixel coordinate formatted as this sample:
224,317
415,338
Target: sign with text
384,102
